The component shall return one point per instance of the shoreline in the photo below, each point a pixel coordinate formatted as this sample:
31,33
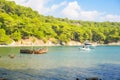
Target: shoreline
55,45
28,42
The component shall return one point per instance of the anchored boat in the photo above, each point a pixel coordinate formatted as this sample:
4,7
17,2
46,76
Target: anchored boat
39,51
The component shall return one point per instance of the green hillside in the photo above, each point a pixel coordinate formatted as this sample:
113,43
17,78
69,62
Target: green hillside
19,22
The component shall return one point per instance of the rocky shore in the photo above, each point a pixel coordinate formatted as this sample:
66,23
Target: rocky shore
42,43
38,42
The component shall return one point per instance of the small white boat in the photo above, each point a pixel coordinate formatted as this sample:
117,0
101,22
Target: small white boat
87,46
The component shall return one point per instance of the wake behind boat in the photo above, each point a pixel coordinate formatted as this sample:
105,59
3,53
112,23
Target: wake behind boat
85,48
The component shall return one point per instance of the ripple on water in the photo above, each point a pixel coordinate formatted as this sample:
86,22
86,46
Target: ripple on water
104,71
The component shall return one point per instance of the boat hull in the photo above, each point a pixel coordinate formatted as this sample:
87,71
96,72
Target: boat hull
27,51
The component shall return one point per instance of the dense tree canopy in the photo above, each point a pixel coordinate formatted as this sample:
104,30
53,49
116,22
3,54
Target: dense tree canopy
18,22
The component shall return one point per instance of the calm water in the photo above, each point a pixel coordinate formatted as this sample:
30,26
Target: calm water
61,63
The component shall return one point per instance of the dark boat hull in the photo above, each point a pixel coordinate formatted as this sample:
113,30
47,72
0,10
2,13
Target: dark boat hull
27,51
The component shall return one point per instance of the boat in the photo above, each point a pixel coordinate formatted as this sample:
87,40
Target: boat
39,51
87,43
85,46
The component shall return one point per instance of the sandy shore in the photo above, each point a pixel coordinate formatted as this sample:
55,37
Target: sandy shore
28,42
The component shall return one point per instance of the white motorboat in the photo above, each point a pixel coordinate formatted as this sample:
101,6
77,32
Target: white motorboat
87,46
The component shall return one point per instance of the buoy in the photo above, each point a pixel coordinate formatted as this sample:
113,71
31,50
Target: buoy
11,56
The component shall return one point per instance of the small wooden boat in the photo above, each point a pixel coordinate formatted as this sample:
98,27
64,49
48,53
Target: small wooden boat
39,51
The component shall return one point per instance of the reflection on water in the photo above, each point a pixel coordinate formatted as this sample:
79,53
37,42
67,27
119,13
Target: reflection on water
61,63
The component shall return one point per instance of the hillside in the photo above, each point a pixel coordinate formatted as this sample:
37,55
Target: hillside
18,23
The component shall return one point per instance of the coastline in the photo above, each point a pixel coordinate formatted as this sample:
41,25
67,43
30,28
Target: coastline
38,42
49,43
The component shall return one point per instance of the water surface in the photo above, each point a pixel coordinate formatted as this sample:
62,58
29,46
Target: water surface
61,63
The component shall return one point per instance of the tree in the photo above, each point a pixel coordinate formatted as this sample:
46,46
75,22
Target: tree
4,39
16,36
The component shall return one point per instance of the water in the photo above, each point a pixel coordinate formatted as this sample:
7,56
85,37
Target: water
61,63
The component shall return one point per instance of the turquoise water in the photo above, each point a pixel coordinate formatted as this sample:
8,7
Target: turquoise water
61,63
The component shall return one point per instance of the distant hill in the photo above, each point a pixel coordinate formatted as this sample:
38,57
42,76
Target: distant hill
19,22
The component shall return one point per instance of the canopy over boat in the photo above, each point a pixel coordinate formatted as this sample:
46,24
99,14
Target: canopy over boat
87,43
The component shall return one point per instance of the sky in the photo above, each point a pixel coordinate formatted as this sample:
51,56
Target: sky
86,10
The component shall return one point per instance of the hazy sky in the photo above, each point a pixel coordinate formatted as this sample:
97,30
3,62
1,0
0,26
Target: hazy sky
92,10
